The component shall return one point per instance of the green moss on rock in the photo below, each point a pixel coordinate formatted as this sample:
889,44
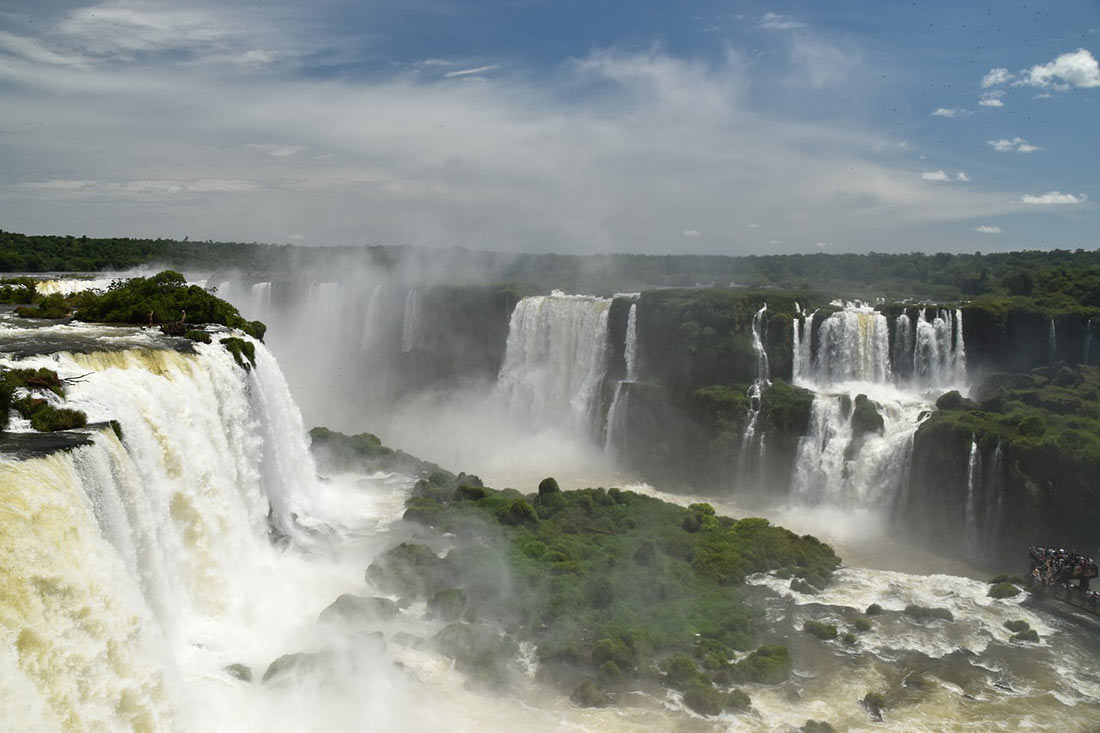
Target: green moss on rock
823,631
1003,590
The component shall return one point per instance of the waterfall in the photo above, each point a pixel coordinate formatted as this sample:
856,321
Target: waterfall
616,433
995,492
410,327
1052,342
802,347
259,300
759,336
749,463
939,354
838,467
555,359
973,486
150,538
1088,342
373,323
903,347
630,344
222,290
854,345
958,360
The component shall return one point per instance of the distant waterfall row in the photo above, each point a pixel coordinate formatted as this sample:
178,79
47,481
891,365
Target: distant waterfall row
855,344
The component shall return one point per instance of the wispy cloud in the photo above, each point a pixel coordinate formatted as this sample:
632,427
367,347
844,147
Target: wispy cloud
988,229
1053,198
779,22
274,150
991,101
471,72
692,233
1016,144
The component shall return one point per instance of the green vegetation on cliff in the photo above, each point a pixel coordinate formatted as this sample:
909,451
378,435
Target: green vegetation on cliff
1051,412
612,583
43,415
163,298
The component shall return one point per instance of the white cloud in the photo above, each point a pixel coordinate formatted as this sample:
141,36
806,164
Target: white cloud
939,175
1016,144
470,72
1052,198
1075,69
692,233
779,22
950,112
991,101
996,77
987,229
754,226
823,245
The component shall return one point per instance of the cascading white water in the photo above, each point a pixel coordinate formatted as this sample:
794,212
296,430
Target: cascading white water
373,324
151,539
802,346
853,346
1052,342
853,356
410,325
939,354
751,460
70,285
555,359
616,433
903,346
973,487
259,300
836,466
759,324
995,489
630,344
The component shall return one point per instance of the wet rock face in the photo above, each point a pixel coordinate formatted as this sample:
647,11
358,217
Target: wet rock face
1020,467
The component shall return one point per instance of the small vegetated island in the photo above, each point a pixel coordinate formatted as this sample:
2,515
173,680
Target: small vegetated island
617,591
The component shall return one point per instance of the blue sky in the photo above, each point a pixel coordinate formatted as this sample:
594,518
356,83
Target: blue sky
529,125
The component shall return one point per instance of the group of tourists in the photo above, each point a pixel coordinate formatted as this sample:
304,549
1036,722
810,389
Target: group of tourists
1057,566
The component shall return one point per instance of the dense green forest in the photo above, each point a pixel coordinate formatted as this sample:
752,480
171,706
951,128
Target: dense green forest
942,277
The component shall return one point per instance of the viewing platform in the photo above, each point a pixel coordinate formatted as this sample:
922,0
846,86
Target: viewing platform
1065,575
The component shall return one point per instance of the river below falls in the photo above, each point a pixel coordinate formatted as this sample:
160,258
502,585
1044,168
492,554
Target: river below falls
938,675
